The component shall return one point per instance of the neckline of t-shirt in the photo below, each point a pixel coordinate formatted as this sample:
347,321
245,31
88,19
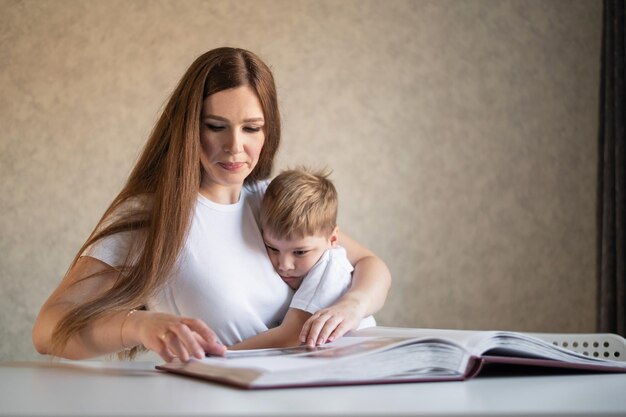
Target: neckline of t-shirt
222,207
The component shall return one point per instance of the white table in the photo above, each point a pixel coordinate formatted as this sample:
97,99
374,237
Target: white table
93,388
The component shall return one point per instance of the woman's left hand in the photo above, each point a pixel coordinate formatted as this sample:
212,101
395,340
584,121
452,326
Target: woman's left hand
332,323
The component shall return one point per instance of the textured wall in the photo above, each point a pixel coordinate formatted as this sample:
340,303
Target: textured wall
461,133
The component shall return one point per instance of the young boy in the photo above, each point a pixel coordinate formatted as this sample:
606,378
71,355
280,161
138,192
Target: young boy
299,220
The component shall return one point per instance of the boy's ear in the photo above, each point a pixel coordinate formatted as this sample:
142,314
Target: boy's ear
334,237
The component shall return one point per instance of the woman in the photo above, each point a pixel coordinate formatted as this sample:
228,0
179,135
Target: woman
177,264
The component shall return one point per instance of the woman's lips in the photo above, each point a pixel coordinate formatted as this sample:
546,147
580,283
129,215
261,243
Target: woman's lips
231,166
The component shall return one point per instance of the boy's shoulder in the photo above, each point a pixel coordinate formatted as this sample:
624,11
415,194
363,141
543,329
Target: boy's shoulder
337,258
337,252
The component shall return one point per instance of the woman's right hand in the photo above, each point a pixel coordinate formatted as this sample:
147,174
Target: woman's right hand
166,334
171,336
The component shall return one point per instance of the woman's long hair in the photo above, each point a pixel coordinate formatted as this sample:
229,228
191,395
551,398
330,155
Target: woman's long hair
166,181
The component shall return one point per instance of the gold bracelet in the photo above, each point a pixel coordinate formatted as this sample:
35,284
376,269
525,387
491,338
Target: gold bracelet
130,313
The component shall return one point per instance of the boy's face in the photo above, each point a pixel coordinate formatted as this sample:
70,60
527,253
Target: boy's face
292,259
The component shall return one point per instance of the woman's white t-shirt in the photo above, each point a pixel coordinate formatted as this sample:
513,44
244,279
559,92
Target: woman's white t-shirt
223,275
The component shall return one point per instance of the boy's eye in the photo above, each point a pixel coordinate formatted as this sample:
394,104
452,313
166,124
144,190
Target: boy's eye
271,248
300,252
215,128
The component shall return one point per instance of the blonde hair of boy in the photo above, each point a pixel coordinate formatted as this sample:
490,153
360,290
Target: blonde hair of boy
299,203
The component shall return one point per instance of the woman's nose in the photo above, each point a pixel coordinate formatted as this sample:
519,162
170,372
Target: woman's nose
234,143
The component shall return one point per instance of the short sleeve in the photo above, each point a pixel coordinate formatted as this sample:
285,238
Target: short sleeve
112,250
325,283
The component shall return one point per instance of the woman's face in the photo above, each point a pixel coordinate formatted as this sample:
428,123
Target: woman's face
231,138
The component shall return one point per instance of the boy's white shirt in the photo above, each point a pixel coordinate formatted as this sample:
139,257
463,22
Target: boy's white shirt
325,283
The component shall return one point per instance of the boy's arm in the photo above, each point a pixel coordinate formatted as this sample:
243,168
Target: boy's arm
285,335
371,281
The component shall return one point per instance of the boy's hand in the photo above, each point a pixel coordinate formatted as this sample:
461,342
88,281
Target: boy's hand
331,323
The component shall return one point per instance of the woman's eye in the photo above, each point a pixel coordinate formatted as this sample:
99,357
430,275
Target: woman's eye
252,129
215,128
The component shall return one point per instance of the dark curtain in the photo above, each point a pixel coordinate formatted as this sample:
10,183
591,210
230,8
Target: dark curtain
611,269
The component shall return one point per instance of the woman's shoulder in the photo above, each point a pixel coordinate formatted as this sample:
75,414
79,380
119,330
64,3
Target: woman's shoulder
130,207
257,188
254,192
121,231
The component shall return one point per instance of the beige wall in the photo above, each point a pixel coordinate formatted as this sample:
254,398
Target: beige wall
462,135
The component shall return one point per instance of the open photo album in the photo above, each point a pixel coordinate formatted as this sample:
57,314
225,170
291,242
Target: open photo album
393,355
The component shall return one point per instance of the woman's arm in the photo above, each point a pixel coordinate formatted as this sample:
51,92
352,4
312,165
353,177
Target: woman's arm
285,335
166,334
371,281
